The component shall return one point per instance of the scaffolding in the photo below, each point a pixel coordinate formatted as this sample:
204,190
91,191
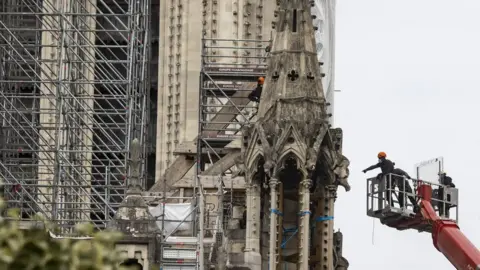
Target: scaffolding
74,90
229,72
230,69
178,245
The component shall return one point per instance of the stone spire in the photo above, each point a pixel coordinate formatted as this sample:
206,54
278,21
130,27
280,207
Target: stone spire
293,88
292,114
134,183
133,217
292,111
292,128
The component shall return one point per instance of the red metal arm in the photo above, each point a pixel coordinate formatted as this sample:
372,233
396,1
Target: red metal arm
446,234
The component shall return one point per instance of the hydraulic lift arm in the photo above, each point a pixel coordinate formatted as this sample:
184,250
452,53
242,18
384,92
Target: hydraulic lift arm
447,237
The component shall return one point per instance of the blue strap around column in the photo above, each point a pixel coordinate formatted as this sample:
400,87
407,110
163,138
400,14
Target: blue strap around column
304,213
276,211
325,218
285,240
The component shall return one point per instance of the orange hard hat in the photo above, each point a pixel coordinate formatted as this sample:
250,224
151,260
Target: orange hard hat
261,79
381,155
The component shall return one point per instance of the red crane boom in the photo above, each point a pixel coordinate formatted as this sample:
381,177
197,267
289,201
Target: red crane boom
446,234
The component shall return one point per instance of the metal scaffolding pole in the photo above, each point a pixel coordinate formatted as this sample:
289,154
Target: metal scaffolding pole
74,92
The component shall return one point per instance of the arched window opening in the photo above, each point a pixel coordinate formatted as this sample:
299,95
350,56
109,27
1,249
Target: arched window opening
290,175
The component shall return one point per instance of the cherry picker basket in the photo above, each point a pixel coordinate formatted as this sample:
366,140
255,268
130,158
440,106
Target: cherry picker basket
399,210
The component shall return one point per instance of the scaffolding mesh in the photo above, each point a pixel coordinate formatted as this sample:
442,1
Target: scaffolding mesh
73,94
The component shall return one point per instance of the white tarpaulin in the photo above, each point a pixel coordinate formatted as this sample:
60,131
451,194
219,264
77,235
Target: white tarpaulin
175,213
324,10
428,170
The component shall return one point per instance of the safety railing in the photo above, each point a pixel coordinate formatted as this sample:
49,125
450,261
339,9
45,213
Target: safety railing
397,195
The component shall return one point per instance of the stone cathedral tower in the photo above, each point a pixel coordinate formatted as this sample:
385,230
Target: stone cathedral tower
291,153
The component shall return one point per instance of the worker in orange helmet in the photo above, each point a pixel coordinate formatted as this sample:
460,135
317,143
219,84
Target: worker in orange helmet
255,94
387,167
383,163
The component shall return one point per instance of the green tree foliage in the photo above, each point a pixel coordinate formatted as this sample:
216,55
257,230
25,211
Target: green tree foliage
35,249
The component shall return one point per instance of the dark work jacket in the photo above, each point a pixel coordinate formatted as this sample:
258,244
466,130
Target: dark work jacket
398,177
447,181
255,94
401,172
385,165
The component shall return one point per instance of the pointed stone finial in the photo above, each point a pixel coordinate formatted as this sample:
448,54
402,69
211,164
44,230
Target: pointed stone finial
133,216
134,182
293,88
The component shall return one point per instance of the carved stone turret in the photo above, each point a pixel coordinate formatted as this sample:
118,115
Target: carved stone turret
292,114
292,141
133,217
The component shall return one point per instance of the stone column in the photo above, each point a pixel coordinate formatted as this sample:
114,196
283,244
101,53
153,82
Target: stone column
324,243
273,223
252,246
304,225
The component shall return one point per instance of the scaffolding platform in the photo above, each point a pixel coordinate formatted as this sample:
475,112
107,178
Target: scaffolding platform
401,210
229,73
231,77
180,254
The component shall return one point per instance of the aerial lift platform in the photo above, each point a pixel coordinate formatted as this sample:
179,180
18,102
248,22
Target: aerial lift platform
446,235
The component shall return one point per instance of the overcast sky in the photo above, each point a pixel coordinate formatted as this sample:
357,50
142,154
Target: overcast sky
409,75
